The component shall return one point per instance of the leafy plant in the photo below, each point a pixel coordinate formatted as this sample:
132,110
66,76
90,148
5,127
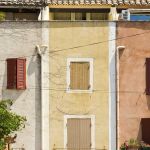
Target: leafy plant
2,144
9,122
145,146
133,143
123,147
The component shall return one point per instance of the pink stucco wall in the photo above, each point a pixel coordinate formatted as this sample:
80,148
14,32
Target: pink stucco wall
134,104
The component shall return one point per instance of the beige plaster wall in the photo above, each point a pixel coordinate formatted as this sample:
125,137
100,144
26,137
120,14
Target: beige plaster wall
74,39
133,102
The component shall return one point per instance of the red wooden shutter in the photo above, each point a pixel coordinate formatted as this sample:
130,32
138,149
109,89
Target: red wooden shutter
147,76
11,73
21,73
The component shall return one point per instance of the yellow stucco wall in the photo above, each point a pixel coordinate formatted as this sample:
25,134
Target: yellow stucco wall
64,36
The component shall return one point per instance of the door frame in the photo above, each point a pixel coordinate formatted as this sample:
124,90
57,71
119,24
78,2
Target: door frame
92,117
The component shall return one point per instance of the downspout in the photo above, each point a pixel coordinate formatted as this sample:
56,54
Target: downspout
117,89
112,86
41,50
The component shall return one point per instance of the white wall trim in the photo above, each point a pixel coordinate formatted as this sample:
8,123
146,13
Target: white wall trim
69,60
92,117
112,86
44,14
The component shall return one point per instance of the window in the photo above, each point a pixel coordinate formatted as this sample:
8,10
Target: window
62,16
80,16
18,14
136,14
79,131
79,75
16,73
147,76
99,16
140,17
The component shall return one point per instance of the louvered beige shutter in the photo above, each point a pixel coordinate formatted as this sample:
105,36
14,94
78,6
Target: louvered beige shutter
85,134
79,134
73,133
79,75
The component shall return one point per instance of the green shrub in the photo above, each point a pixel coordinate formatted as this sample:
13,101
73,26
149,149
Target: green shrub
2,144
10,122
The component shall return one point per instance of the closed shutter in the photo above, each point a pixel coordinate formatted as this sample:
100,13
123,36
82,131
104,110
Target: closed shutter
79,134
147,76
85,133
16,73
21,73
73,133
11,73
79,75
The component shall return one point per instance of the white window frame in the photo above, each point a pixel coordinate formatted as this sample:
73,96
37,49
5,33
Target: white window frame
90,60
92,117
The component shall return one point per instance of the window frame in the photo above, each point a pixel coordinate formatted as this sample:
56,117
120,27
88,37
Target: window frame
92,117
90,61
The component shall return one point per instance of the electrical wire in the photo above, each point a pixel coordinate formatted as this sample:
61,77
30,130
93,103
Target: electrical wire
100,42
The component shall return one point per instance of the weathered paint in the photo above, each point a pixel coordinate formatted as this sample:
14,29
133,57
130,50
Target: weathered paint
18,39
74,39
133,102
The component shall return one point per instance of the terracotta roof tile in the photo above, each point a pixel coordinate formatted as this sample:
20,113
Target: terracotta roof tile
75,2
21,2
100,2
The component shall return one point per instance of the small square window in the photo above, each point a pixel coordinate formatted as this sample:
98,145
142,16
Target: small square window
79,76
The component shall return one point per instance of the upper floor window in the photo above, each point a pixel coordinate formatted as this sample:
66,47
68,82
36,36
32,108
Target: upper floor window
140,17
62,16
79,14
80,74
16,73
100,16
18,14
136,15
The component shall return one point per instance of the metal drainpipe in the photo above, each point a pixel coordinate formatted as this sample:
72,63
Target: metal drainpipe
45,79
117,88
41,50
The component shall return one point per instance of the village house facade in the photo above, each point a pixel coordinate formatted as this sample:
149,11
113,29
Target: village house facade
69,90
79,85
75,27
22,79
133,81
22,86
